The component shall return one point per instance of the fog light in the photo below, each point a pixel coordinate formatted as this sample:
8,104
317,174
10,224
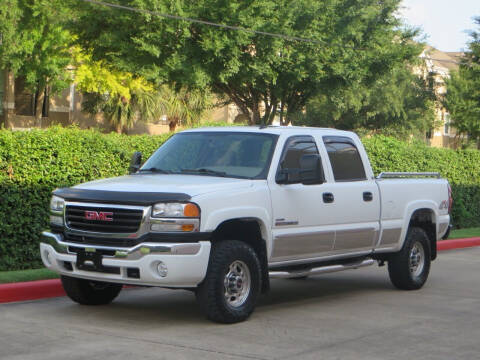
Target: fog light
166,227
47,258
56,220
162,269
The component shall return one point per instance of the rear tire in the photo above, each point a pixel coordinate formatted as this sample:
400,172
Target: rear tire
233,282
409,268
88,292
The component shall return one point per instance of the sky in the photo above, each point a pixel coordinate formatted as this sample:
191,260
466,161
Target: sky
445,22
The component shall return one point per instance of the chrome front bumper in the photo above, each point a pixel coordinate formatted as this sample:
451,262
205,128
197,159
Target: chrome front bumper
186,262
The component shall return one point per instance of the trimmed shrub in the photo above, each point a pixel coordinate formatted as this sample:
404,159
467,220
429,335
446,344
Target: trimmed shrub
33,163
460,167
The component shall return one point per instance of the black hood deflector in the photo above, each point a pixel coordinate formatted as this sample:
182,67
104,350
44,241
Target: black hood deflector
119,197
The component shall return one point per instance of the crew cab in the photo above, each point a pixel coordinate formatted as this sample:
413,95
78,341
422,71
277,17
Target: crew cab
221,211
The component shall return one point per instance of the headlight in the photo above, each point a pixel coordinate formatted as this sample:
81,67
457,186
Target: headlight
175,217
57,203
169,210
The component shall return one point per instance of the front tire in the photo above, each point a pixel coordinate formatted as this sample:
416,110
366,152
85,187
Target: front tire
409,269
232,285
88,292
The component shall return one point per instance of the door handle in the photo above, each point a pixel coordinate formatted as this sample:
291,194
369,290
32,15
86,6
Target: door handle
367,196
328,198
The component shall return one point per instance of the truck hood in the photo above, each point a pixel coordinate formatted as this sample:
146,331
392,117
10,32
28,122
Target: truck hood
166,183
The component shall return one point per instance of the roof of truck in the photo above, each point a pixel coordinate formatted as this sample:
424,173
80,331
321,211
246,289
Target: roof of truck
278,130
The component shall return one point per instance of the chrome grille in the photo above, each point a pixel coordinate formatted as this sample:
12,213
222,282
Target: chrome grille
123,220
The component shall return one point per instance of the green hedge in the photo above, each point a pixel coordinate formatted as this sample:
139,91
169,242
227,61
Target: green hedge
33,163
460,167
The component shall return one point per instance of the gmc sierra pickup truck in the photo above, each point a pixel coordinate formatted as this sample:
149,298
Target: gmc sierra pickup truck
221,211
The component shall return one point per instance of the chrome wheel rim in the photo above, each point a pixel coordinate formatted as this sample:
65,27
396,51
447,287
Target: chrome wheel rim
417,259
237,284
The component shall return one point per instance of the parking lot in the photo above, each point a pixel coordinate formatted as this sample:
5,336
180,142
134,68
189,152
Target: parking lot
349,315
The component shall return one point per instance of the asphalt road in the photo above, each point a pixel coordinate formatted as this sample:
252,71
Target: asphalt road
355,314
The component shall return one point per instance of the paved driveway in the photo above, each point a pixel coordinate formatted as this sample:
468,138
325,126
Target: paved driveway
350,315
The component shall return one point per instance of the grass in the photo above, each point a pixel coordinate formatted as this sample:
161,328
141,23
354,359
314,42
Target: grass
42,274
26,275
465,233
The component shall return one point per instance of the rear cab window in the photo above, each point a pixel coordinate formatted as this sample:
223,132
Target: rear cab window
344,158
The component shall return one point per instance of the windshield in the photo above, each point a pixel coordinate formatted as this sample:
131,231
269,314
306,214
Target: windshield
229,154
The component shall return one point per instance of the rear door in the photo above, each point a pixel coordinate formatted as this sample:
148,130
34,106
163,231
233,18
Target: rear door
356,197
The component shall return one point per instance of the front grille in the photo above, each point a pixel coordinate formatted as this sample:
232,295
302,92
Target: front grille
122,220
92,240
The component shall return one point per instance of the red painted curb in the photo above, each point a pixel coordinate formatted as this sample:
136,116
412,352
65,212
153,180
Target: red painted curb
458,243
30,290
42,289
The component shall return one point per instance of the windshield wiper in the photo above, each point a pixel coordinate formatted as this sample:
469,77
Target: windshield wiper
203,171
156,170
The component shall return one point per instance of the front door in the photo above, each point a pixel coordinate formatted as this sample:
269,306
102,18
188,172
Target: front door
298,209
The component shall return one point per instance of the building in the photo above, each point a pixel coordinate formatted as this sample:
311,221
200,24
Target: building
440,64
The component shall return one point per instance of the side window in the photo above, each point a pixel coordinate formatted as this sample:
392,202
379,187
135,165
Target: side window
294,149
344,158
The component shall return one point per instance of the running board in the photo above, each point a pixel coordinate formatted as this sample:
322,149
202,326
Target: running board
319,270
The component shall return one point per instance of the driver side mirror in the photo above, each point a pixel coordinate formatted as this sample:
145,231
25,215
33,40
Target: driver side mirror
309,173
135,162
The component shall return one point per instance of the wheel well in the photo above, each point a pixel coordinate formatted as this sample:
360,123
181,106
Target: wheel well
249,231
425,219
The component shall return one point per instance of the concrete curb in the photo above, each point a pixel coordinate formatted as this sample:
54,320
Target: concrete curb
30,290
42,289
458,243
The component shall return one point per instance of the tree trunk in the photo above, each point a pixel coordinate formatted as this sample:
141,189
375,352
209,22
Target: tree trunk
282,108
119,129
39,104
172,124
255,114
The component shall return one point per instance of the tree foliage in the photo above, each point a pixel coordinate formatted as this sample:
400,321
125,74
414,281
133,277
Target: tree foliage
462,99
354,41
398,103
124,98
35,44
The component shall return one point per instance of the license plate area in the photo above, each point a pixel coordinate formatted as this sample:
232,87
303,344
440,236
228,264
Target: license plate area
92,261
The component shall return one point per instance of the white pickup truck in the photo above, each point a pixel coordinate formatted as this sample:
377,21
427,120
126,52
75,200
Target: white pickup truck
221,211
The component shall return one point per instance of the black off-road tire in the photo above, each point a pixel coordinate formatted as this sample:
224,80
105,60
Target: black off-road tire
87,292
399,265
211,292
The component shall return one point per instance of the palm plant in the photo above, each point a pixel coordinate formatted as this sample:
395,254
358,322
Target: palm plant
183,106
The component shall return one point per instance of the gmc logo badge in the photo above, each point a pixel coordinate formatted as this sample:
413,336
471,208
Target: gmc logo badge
98,215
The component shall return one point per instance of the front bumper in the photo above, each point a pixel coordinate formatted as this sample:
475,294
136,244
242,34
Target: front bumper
186,263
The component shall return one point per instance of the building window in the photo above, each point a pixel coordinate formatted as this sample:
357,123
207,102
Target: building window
447,124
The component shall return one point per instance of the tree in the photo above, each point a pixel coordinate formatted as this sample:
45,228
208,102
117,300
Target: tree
120,96
124,98
462,99
353,41
399,103
36,45
183,106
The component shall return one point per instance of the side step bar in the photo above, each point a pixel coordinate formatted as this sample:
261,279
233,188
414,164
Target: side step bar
319,270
